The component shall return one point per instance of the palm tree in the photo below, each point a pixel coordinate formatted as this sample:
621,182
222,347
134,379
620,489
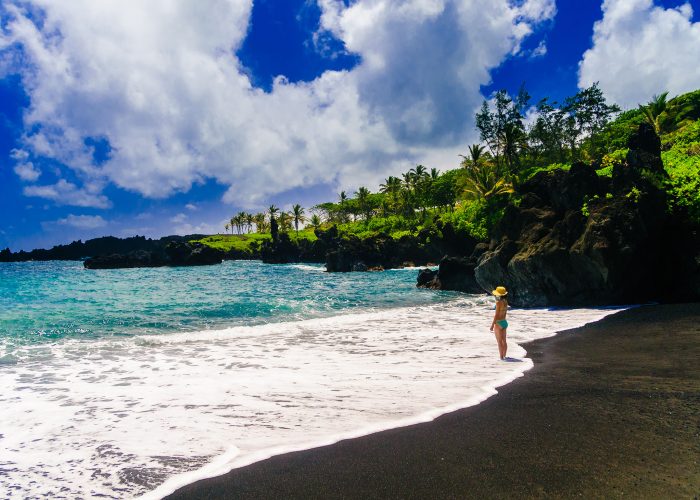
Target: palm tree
285,221
514,140
226,226
233,223
485,181
419,172
409,183
362,195
249,221
420,181
298,216
408,180
392,188
434,174
476,153
240,219
343,201
272,210
260,222
654,110
315,221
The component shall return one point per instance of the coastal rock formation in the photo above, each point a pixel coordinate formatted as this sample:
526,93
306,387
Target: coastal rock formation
454,273
192,254
377,252
138,258
427,278
350,253
381,251
106,245
279,250
579,239
174,254
282,250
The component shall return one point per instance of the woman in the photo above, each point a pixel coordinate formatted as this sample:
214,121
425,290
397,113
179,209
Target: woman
499,319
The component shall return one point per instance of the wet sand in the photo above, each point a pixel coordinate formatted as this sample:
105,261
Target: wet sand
610,410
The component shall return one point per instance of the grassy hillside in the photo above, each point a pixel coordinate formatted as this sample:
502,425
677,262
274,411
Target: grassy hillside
248,242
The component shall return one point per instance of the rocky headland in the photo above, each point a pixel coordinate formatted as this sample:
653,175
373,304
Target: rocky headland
106,245
348,253
173,254
577,238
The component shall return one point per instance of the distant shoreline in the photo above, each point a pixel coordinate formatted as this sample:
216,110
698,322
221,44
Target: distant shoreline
607,410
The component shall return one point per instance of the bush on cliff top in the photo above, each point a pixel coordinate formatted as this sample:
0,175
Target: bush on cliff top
682,162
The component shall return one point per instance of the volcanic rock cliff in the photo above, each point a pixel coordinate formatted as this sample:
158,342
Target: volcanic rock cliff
579,239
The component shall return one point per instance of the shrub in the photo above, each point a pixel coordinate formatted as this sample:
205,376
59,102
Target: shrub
530,172
682,162
474,218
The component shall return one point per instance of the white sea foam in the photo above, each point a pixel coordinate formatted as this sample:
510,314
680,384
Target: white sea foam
309,267
125,417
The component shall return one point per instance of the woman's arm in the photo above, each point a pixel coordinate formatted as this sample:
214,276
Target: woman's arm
495,315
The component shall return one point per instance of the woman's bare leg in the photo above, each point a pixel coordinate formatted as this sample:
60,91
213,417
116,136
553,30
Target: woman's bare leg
500,338
505,343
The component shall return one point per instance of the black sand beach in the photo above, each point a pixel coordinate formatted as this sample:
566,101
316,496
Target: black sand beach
609,410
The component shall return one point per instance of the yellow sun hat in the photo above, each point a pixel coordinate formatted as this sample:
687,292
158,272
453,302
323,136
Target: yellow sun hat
500,291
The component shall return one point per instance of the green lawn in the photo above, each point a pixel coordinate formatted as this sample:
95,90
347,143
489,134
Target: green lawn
243,242
228,242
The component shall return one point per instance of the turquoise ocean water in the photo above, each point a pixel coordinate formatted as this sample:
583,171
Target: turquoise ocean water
130,383
49,301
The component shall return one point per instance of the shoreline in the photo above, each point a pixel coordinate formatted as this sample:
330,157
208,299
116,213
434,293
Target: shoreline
231,459
462,453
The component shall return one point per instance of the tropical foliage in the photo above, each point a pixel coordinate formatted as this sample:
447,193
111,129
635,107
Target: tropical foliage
518,140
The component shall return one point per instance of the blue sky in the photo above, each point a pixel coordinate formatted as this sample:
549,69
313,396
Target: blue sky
167,117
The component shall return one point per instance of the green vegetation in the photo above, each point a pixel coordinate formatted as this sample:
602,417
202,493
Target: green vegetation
472,197
681,157
237,242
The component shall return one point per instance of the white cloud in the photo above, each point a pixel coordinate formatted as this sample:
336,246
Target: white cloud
640,49
159,81
82,221
202,228
191,207
65,193
178,218
24,169
539,51
27,171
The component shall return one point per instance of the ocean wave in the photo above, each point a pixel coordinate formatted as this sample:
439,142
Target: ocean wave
133,415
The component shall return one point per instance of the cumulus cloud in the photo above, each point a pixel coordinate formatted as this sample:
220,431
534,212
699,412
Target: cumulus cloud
24,168
640,49
178,218
27,171
182,226
159,80
539,51
82,221
66,193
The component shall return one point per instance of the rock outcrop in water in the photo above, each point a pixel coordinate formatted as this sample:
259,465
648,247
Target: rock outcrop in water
174,254
454,273
579,239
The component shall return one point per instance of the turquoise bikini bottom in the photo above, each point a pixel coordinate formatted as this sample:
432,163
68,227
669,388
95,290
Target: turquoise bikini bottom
502,323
